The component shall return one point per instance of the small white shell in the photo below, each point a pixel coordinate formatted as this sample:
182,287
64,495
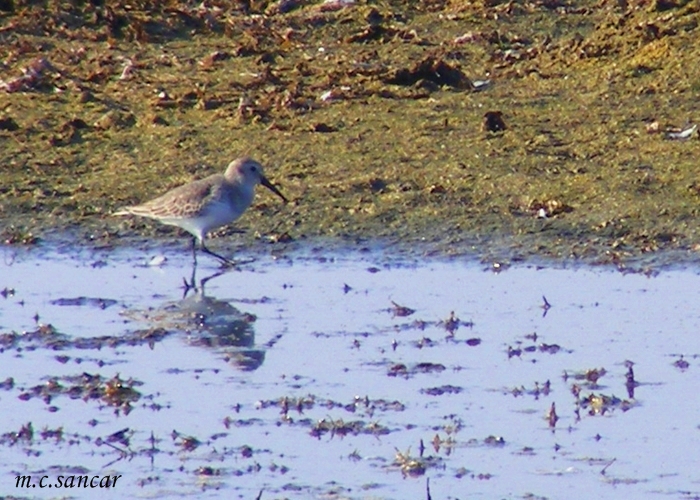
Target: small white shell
128,70
157,261
327,96
481,84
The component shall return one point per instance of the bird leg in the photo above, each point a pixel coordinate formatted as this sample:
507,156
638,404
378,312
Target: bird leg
204,281
224,261
191,284
187,286
194,253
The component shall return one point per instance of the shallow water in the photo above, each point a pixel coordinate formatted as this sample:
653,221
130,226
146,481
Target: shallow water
364,384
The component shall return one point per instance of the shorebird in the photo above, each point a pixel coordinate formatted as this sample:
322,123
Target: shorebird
206,204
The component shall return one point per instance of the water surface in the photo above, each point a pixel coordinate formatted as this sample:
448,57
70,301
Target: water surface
304,376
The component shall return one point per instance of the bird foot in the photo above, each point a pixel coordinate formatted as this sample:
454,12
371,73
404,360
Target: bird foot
228,264
235,264
188,286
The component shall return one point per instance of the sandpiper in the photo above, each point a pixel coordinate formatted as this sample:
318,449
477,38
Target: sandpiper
206,204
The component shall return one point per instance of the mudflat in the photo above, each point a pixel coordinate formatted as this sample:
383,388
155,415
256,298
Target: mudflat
547,128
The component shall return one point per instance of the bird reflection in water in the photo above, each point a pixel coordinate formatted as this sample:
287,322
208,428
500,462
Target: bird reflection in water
214,324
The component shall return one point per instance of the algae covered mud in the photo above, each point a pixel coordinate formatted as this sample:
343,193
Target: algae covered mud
343,375
553,128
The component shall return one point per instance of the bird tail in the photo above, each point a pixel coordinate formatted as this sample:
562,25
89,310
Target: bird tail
123,211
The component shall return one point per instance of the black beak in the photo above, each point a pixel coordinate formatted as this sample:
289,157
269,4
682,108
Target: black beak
271,187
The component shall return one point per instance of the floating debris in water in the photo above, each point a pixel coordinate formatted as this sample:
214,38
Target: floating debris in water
114,392
452,323
122,437
600,404
497,267
400,311
424,342
402,370
448,444
341,428
120,393
541,347
207,471
187,443
538,391
84,301
408,465
681,364
552,416
25,433
546,306
439,391
630,382
495,441
590,376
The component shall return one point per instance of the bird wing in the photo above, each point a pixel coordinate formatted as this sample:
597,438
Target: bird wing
187,200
